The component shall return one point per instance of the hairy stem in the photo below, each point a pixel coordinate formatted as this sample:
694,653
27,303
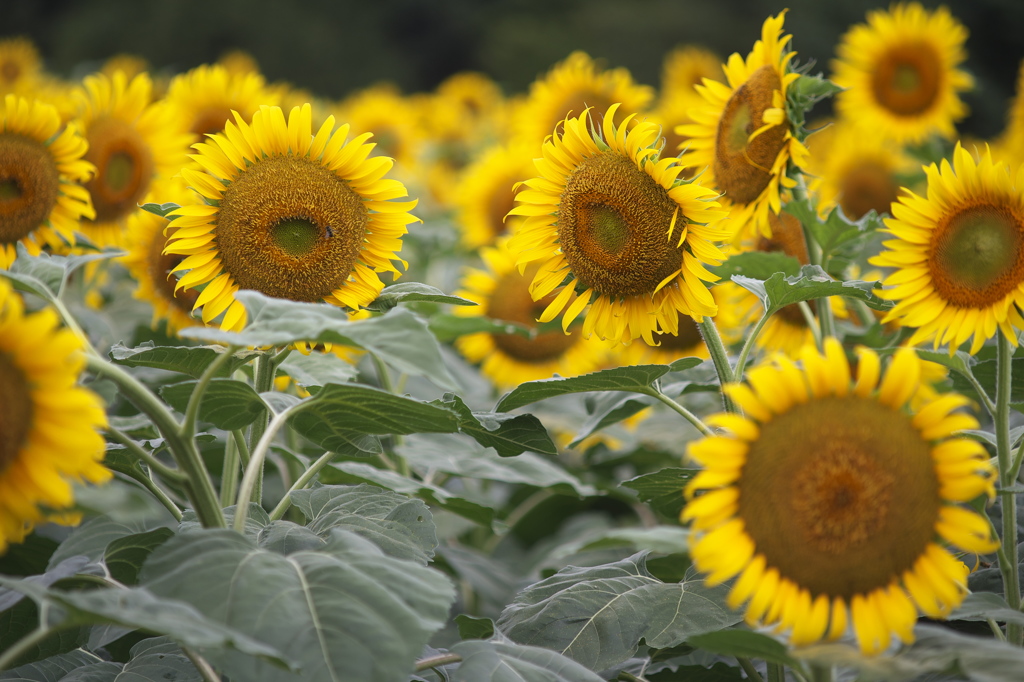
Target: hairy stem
300,483
1009,571
188,427
713,340
689,416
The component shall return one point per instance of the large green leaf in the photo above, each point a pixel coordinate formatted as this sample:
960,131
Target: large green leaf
409,292
663,489
125,555
318,369
637,378
92,537
227,404
52,669
508,434
778,291
191,360
611,409
597,616
400,526
509,662
347,612
46,275
757,265
448,327
399,337
744,643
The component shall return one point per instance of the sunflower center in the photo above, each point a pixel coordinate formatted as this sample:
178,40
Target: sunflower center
10,70
743,165
290,228
907,79
161,266
613,221
688,339
16,417
29,186
124,168
865,186
819,497
511,301
977,255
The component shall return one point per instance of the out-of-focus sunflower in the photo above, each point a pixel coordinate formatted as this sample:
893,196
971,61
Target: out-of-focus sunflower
48,424
900,73
41,167
614,228
202,99
394,120
485,193
683,69
20,66
131,141
741,140
510,359
289,214
130,64
958,253
827,499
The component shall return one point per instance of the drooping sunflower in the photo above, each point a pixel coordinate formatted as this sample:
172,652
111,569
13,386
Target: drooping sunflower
958,253
289,214
832,502
202,99
20,66
48,425
41,167
485,193
900,73
510,359
614,228
741,140
131,141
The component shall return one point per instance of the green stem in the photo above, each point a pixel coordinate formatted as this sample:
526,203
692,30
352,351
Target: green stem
150,485
24,645
828,324
188,427
748,345
719,356
808,314
689,416
990,406
776,672
821,673
229,471
997,631
241,446
152,462
300,483
264,381
396,440
749,669
200,487
437,661
1017,460
517,515
206,670
1009,569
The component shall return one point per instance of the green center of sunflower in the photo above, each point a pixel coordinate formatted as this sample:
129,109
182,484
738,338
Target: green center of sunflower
16,415
977,255
840,495
907,79
742,165
124,168
29,186
865,186
290,228
613,221
511,301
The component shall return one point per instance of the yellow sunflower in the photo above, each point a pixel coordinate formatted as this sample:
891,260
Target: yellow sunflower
20,66
485,193
48,424
394,120
958,254
614,228
741,140
832,502
131,141
202,99
41,199
131,64
287,213
510,359
685,68
571,87
900,73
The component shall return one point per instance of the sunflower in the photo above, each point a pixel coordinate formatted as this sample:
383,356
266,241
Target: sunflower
48,425
831,501
288,214
131,64
20,66
131,141
685,68
510,359
958,254
571,87
41,166
740,138
485,195
900,73
202,99
614,227
394,120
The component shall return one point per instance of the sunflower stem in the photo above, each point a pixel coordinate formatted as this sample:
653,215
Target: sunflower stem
152,462
206,670
741,362
266,368
188,427
300,483
821,673
229,471
437,661
980,390
1009,569
150,485
812,324
25,644
749,669
689,416
776,672
200,487
713,340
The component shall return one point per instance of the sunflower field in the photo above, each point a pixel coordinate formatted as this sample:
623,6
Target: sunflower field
709,382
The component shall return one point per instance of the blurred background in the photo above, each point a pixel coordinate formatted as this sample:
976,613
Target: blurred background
333,47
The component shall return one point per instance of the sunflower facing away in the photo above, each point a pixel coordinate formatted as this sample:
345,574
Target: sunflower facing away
900,73
48,424
832,503
740,139
41,166
614,227
958,253
289,214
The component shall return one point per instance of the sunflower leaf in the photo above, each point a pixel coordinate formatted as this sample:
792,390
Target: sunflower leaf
663,490
191,360
53,668
508,434
408,292
744,643
45,275
447,327
227,404
500,661
778,291
636,378
757,265
317,369
609,410
162,210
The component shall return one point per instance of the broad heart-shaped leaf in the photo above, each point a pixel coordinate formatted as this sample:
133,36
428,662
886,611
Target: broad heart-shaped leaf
986,605
227,404
92,538
663,489
191,360
46,275
408,292
508,434
255,521
744,643
597,616
346,612
399,337
52,669
611,409
125,556
401,527
637,378
139,608
757,265
778,291
498,661
317,369
835,229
